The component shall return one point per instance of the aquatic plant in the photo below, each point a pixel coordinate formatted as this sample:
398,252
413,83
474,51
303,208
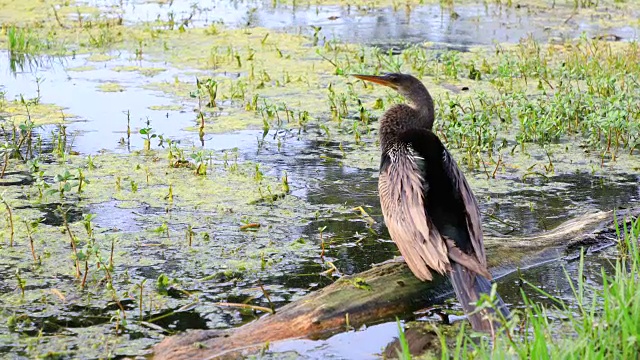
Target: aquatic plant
598,320
209,87
6,151
82,180
31,227
10,219
148,135
199,158
403,354
66,181
21,282
189,234
23,44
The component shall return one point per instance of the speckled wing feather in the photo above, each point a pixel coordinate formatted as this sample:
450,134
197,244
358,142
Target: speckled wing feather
402,199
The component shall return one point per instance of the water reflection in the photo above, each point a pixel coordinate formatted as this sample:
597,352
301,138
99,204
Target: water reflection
462,25
101,117
543,209
25,63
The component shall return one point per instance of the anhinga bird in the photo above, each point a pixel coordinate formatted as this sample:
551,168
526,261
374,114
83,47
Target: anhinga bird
428,206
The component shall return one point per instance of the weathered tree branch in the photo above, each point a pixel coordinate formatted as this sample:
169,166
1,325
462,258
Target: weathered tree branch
392,290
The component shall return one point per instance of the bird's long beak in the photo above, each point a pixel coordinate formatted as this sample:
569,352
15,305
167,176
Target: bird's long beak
382,80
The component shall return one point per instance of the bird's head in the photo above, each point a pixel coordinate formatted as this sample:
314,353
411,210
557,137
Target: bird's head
404,84
412,89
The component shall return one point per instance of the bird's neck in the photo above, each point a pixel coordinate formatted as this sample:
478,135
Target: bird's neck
420,100
416,114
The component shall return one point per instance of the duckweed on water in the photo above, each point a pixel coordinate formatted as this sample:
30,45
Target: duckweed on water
21,111
509,84
111,87
97,57
498,118
82,68
166,202
146,71
166,107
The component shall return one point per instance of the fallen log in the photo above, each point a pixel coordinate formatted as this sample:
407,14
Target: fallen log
386,290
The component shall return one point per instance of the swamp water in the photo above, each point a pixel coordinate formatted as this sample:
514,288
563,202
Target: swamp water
184,242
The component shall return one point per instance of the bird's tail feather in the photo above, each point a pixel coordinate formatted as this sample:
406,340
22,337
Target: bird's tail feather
468,286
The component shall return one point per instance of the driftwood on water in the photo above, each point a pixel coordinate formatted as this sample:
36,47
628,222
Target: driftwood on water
392,290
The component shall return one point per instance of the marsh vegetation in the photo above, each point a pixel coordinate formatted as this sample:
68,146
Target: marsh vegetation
169,166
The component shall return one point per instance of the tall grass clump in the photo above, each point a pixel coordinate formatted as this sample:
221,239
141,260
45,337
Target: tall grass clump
599,323
22,41
23,45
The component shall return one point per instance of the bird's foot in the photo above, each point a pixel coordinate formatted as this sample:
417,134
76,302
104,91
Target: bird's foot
395,260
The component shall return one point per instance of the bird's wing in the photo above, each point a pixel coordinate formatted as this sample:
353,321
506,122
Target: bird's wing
400,186
472,212
428,145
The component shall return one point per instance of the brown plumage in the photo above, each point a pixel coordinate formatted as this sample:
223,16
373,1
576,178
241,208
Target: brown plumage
428,206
